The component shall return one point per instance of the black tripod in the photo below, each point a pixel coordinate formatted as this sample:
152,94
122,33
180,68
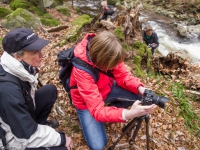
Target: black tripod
135,125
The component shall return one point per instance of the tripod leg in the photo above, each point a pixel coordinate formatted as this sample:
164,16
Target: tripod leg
138,125
147,130
127,128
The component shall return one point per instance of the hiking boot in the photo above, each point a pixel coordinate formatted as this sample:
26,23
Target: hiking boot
52,123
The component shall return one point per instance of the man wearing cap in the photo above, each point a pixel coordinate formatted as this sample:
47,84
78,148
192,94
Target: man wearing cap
24,111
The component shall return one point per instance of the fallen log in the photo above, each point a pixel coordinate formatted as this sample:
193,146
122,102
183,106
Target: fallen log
57,29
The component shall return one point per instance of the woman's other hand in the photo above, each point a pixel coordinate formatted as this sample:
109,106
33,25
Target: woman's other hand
138,110
69,143
141,90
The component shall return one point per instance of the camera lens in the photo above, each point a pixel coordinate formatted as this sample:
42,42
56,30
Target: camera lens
160,101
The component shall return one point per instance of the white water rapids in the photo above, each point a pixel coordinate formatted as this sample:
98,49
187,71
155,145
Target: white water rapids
169,43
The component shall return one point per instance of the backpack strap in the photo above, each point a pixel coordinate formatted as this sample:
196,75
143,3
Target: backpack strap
94,72
80,64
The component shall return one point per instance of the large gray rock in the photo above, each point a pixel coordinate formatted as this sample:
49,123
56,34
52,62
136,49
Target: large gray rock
21,18
48,3
189,31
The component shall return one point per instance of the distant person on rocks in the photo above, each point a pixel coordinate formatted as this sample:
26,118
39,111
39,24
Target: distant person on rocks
106,11
24,109
104,52
150,38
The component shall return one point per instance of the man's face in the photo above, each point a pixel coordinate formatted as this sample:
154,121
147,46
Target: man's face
149,33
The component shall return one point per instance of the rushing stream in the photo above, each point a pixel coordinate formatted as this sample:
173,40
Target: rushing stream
163,26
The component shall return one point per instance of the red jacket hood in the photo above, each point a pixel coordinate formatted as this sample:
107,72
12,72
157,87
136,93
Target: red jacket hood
81,48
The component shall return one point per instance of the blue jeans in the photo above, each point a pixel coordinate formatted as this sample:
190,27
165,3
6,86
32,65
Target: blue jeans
94,131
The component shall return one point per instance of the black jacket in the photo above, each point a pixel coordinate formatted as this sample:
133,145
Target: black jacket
106,13
15,118
153,39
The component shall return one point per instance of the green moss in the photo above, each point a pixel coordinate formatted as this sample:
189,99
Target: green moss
4,12
23,15
137,44
126,47
119,33
36,11
25,5
64,11
57,3
1,40
19,4
139,72
50,22
111,2
137,60
47,16
141,51
82,20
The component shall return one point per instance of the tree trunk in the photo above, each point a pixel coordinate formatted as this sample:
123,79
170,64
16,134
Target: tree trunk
130,22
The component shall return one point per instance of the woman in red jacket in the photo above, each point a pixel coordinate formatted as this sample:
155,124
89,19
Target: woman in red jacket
105,52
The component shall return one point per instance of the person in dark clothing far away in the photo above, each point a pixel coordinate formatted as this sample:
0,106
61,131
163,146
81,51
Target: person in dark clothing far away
24,109
150,38
106,10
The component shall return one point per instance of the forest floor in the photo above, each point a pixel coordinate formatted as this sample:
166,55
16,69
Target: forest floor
167,129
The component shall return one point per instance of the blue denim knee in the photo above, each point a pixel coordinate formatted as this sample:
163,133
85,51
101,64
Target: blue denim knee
93,131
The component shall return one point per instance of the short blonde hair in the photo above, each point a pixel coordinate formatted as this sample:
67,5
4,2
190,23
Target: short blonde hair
106,51
148,28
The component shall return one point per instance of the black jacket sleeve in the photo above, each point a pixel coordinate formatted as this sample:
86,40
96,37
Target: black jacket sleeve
14,111
155,40
109,12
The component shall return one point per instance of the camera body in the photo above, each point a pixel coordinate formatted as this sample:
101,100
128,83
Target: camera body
150,45
151,98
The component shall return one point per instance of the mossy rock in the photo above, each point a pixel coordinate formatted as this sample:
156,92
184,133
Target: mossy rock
71,35
63,10
19,4
50,22
4,12
57,3
77,25
36,11
21,18
81,20
25,5
143,58
119,33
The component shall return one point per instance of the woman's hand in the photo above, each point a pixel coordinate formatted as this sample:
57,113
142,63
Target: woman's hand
138,110
69,143
141,90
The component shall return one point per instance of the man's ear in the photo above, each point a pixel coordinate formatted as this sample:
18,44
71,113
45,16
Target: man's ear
18,57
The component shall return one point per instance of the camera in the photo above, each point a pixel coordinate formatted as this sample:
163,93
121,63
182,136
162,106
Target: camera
150,45
151,98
